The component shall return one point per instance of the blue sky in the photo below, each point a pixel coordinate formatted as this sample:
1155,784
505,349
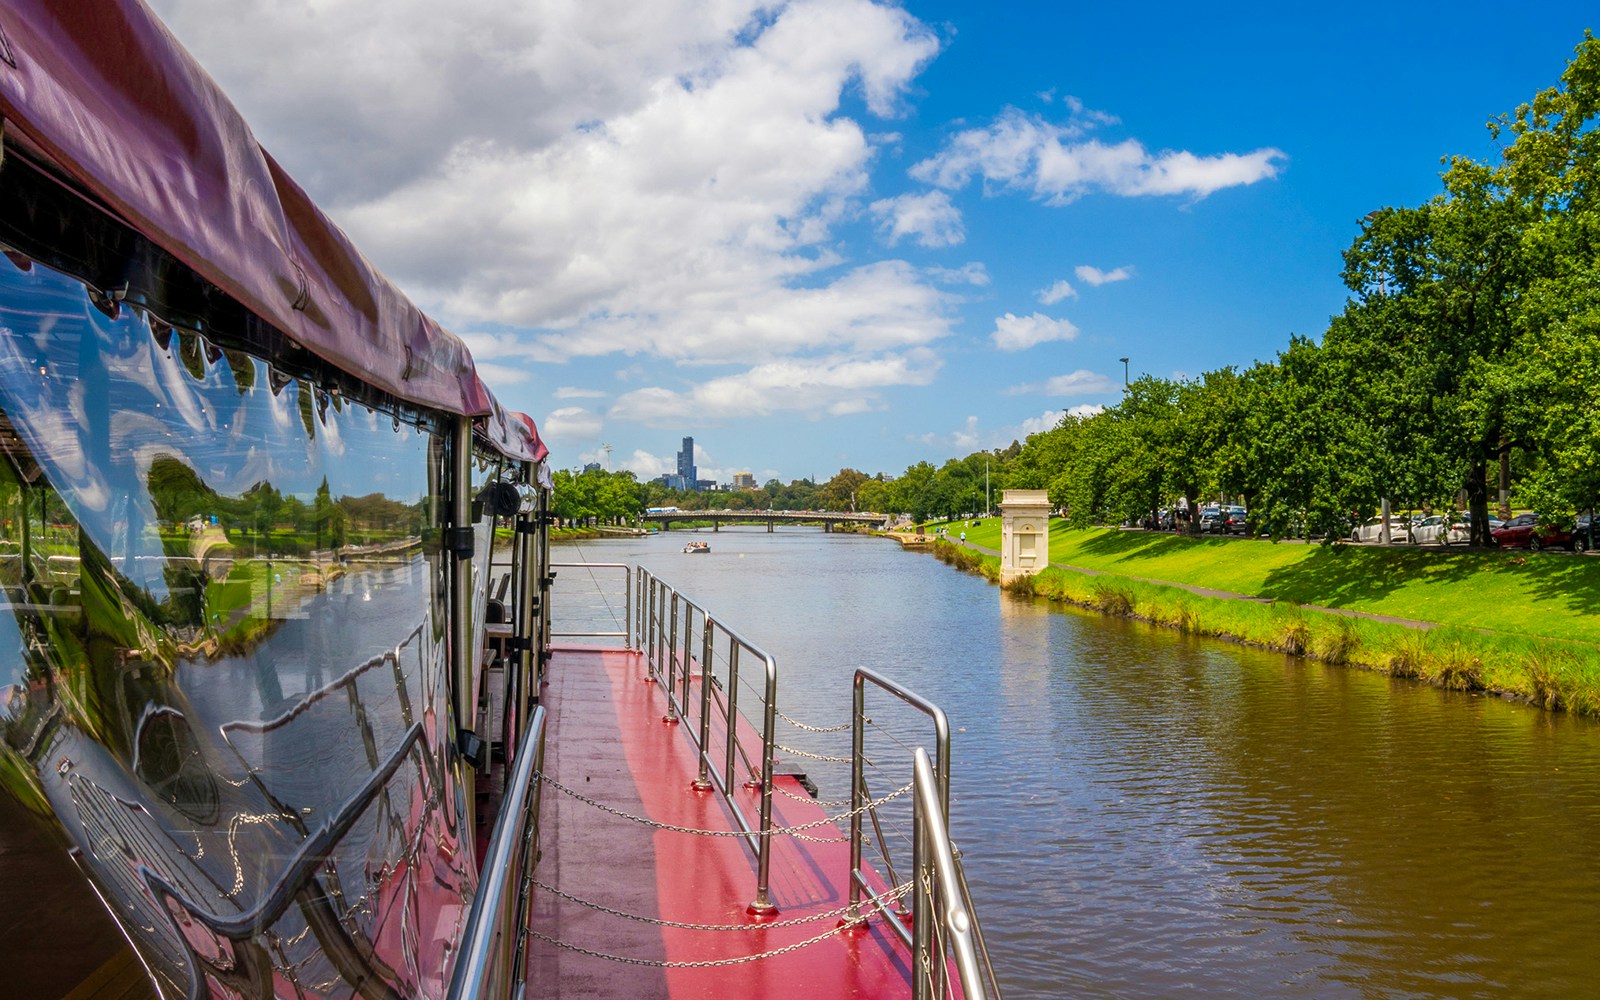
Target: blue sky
831,233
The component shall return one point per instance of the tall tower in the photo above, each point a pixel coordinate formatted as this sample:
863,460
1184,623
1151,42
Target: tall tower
686,467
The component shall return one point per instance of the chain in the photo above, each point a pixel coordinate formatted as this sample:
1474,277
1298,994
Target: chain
893,894
793,831
814,756
705,964
818,729
834,803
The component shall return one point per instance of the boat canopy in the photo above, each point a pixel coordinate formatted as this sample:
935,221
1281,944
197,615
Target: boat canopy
103,94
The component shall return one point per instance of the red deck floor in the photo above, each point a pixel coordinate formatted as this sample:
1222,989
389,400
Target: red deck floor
606,740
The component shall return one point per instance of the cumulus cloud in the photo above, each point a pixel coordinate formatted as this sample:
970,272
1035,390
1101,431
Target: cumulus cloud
1085,410
809,387
1096,277
599,177
1018,333
570,425
1059,164
1078,383
929,218
573,392
971,273
1056,292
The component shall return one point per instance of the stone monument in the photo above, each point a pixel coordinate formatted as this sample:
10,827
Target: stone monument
1024,533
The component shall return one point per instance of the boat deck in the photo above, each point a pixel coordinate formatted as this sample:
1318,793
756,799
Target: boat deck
607,742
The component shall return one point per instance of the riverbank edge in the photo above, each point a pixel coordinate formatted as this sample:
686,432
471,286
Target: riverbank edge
1536,672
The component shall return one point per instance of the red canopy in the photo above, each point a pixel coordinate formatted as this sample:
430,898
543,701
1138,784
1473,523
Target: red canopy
103,90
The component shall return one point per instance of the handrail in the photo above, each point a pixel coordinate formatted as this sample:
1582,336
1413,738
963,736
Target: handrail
858,795
673,648
491,962
943,924
626,633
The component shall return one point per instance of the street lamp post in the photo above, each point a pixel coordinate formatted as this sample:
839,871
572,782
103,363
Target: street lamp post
1124,372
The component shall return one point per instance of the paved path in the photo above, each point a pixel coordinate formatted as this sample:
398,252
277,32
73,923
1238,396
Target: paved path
1222,594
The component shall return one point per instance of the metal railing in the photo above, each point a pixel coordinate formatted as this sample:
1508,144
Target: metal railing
944,928
603,609
492,962
683,643
936,939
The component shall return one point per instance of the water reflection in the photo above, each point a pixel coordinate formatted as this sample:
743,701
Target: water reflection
1146,814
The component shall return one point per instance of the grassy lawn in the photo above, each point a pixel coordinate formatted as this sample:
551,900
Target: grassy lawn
1549,594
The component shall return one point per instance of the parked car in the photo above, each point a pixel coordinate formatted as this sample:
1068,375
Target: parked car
1371,530
1441,529
1525,531
1583,533
1235,521
1209,516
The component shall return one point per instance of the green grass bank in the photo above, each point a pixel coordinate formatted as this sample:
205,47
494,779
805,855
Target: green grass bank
1511,623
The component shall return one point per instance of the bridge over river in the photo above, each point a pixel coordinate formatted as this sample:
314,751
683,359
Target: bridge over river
827,518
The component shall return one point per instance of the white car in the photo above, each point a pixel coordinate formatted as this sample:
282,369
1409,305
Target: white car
1441,529
1371,530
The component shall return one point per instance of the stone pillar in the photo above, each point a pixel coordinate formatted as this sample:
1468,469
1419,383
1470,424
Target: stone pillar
1024,533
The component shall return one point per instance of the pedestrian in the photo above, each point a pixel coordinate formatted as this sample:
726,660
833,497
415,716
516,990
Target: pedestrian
963,538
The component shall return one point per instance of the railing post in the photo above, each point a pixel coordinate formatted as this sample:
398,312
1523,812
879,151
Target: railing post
733,713
921,909
674,712
702,783
857,777
763,906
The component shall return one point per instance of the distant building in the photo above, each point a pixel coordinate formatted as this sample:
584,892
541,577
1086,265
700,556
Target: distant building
592,467
744,481
705,485
686,469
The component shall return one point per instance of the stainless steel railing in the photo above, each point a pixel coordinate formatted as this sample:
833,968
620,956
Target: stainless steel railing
604,611
943,928
492,960
683,643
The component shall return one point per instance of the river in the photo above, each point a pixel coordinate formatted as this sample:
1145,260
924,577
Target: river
1145,814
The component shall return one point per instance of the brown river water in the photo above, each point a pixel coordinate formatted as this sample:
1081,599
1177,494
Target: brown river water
1145,814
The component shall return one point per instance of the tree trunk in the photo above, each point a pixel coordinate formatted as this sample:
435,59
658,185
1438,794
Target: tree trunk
1478,502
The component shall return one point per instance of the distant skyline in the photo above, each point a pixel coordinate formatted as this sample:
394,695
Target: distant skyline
831,233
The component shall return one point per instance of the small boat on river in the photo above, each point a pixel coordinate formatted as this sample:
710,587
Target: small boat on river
286,673
698,548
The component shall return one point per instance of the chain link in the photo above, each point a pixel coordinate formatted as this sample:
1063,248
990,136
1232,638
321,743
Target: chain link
818,729
703,964
813,756
893,895
790,831
834,803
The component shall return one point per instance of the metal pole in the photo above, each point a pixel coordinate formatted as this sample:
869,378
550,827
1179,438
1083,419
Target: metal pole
763,904
702,782
857,745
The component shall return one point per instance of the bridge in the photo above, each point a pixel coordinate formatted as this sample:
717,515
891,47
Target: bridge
828,518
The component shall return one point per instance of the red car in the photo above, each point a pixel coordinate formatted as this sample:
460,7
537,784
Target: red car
1525,530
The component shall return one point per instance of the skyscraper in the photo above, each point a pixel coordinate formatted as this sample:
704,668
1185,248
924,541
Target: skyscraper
686,468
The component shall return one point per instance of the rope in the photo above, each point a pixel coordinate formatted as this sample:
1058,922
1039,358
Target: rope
790,831
894,894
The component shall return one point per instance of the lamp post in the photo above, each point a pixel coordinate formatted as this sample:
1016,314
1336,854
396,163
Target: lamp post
1124,372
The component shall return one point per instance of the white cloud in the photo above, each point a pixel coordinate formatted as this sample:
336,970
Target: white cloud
1018,333
806,386
1096,277
1085,410
1057,164
571,424
1056,292
1079,383
573,392
660,179
971,273
929,217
